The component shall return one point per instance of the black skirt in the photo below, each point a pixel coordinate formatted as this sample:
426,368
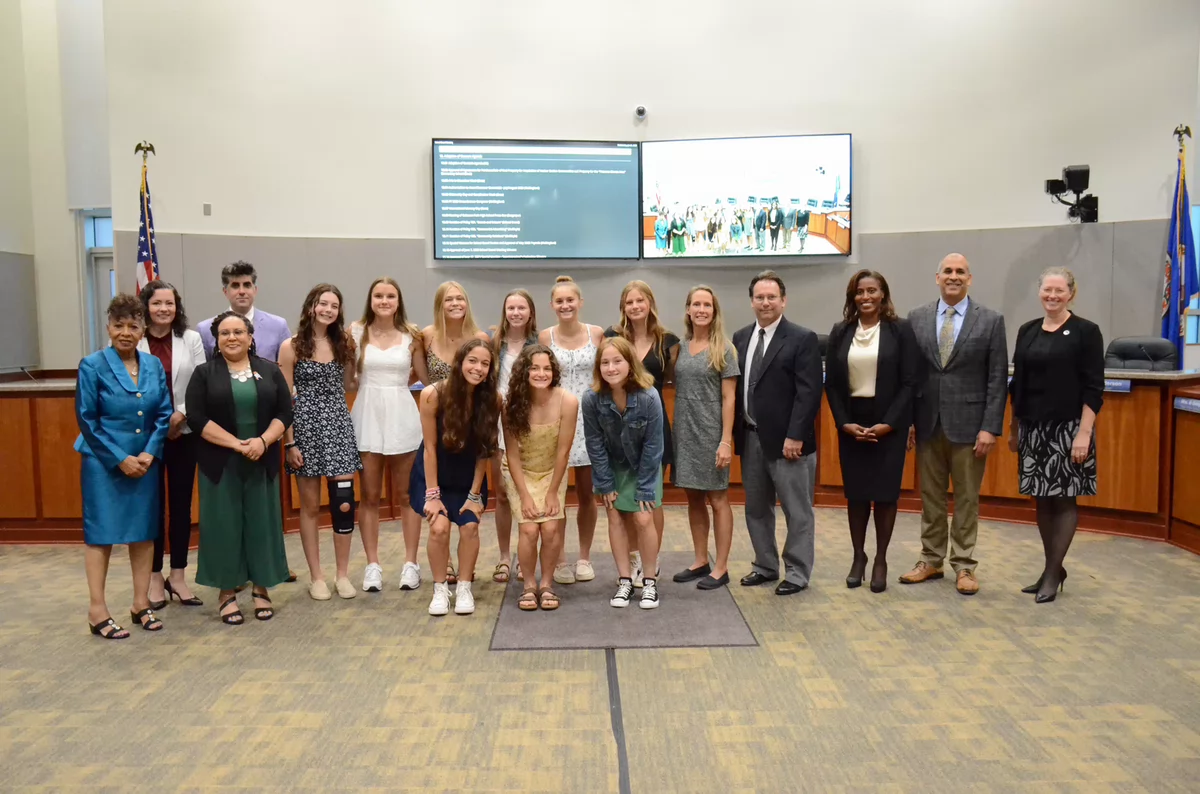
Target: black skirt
1046,465
871,471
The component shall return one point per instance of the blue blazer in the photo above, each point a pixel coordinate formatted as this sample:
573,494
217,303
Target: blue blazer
117,417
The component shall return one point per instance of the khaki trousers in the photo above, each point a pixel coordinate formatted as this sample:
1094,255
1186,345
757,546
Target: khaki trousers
939,463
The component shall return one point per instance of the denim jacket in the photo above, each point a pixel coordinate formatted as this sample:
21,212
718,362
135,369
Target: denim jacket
634,438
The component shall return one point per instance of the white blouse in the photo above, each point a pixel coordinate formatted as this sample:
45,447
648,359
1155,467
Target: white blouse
862,360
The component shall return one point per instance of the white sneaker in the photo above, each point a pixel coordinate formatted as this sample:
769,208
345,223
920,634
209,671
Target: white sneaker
623,596
635,562
410,577
649,595
373,578
440,604
464,600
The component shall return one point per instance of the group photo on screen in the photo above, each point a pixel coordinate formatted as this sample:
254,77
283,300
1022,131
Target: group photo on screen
781,196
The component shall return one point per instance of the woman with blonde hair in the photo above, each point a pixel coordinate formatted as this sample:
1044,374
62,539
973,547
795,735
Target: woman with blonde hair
539,420
657,349
622,419
574,344
706,374
516,331
453,326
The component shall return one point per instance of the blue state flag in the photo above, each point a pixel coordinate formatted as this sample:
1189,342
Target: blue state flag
1181,282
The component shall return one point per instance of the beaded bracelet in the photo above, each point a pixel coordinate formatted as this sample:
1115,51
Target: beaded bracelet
433,493
474,497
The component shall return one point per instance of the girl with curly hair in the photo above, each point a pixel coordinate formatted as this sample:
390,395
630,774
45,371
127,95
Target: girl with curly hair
459,423
539,427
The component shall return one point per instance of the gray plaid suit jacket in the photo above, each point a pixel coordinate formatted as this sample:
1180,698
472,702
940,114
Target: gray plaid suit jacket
969,393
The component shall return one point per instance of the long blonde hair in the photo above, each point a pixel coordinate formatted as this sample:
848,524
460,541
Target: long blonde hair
653,328
718,344
500,340
399,319
469,327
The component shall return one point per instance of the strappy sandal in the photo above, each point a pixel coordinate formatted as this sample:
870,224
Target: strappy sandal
520,573
528,602
147,620
451,576
235,618
109,630
263,613
548,600
500,573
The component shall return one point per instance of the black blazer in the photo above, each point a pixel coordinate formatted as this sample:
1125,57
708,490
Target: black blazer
1057,389
787,395
210,398
896,376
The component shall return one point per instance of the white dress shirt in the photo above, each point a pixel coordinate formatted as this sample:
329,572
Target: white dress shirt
770,329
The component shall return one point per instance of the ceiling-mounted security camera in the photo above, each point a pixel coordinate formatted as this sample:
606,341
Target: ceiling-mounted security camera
639,112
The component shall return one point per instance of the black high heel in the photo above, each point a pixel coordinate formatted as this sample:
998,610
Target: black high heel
878,584
853,581
1033,588
172,595
1045,599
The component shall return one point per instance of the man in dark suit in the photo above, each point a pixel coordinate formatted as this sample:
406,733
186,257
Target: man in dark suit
760,229
959,413
775,223
778,394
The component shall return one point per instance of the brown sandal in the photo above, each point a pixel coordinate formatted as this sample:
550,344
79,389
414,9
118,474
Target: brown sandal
548,600
451,576
500,573
528,602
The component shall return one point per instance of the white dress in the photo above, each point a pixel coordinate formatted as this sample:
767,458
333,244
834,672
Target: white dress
576,366
506,365
386,418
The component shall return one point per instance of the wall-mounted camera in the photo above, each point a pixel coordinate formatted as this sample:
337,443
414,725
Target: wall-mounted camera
640,112
1075,178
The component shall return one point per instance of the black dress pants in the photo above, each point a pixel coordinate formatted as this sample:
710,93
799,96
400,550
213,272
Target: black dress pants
175,481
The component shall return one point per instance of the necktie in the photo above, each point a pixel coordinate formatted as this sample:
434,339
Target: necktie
756,361
946,337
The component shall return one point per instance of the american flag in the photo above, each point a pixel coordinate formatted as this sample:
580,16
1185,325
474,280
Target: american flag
147,269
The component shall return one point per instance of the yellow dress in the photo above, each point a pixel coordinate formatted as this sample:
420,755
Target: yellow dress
537,461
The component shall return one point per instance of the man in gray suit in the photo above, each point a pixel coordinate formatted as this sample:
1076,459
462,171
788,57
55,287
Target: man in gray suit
959,413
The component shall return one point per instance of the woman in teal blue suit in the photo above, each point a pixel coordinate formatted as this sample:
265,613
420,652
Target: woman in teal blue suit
123,405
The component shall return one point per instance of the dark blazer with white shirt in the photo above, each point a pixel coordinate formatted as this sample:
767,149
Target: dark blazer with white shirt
787,393
969,393
895,373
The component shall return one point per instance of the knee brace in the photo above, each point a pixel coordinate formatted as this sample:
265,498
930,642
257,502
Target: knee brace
341,505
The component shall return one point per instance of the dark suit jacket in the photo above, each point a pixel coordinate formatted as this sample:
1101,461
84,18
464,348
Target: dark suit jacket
895,375
210,398
1077,366
787,395
969,393
760,222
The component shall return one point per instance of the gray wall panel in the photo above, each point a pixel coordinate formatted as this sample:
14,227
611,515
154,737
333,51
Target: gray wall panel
1118,267
18,312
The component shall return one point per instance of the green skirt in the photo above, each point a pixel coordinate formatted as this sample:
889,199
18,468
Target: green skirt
626,479
241,528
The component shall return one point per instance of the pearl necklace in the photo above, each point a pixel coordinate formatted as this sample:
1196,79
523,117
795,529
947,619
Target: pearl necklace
242,375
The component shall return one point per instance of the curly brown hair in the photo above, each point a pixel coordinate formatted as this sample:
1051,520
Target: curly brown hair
469,412
520,394
304,342
887,312
126,307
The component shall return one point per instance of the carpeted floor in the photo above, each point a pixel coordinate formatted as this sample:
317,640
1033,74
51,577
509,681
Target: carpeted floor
685,617
914,689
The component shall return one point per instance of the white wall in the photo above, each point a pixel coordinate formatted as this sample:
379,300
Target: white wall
314,119
56,251
84,102
16,217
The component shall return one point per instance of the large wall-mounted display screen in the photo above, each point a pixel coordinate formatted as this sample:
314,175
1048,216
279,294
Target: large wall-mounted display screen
497,199
781,196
